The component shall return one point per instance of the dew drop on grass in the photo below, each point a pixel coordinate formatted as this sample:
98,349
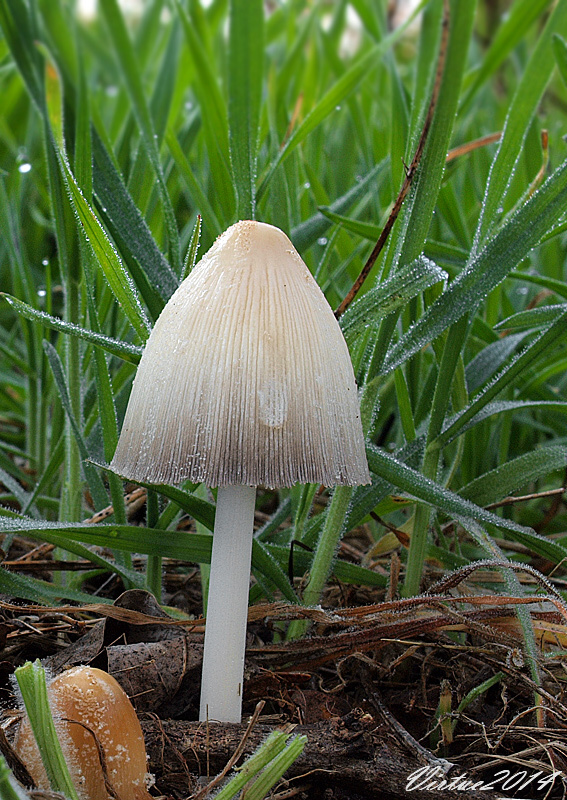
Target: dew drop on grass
322,240
25,167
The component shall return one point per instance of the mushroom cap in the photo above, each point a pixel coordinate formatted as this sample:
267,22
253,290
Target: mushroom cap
246,377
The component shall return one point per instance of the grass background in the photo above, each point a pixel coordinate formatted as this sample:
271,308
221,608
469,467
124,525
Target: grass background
125,143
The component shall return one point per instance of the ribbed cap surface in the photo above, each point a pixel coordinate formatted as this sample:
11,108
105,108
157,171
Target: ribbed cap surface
246,377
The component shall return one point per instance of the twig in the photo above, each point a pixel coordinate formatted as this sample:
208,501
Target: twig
535,184
509,501
413,746
293,792
410,171
134,500
468,147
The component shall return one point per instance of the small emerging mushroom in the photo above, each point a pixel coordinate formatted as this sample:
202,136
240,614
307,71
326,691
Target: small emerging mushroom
245,380
91,710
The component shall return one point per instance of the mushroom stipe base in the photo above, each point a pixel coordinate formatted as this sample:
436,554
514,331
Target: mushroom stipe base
227,605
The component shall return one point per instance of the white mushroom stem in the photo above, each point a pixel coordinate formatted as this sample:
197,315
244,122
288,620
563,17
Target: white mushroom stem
227,607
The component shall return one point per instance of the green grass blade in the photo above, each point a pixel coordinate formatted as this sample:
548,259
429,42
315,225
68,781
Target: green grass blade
416,219
324,554
130,69
558,287
105,395
96,485
268,750
190,547
268,566
33,686
214,117
10,789
506,478
276,768
245,73
491,409
526,99
126,223
366,230
42,592
560,53
512,243
532,318
414,483
390,295
344,571
335,96
107,257
513,371
59,538
197,507
124,350
514,26
192,250
491,358
16,26
306,233
198,195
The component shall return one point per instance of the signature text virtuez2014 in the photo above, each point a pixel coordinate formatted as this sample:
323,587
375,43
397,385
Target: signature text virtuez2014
433,779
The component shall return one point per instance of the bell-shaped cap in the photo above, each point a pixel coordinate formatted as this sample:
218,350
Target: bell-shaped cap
246,377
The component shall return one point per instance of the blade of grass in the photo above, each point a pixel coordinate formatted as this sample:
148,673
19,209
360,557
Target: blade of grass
107,257
41,592
507,376
130,70
198,196
514,26
126,223
128,352
192,250
335,96
390,295
245,72
306,233
214,117
192,547
415,218
324,554
512,475
428,491
487,269
535,77
96,485
10,789
276,768
33,686
273,745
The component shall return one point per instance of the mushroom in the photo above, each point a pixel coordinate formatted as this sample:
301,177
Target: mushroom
94,718
245,380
